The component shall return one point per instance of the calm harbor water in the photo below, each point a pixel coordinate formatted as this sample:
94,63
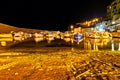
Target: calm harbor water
84,44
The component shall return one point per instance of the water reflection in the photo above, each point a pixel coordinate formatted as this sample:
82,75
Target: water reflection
42,39
86,44
49,41
38,39
4,41
115,44
95,44
119,46
67,39
77,38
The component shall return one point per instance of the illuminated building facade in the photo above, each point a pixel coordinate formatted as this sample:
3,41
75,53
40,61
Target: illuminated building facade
113,9
81,27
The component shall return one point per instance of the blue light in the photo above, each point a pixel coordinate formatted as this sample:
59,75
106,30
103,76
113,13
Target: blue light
78,37
100,28
115,11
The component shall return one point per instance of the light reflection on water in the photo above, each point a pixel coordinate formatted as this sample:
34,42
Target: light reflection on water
5,41
95,44
85,44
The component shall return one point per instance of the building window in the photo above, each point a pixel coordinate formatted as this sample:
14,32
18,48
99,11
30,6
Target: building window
114,10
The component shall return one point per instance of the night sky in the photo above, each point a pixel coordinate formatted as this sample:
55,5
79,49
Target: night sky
50,15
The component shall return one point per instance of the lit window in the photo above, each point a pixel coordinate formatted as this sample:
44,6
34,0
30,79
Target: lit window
115,11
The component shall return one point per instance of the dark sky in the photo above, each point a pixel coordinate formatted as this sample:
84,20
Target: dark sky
49,14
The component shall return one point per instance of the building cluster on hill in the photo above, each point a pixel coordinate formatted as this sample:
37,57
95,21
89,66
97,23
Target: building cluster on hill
111,22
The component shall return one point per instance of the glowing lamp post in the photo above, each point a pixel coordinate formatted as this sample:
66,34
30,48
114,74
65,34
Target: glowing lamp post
71,28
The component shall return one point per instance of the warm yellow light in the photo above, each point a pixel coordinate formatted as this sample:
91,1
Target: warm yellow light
88,24
96,19
113,22
93,20
71,26
3,43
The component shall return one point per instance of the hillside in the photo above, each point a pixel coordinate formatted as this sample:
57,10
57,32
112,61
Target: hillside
4,28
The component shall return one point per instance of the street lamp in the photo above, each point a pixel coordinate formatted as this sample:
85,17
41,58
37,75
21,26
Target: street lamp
71,28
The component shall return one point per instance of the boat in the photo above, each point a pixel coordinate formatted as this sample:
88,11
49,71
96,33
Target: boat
78,37
38,37
67,36
49,36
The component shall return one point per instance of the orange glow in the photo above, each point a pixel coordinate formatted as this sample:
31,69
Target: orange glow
71,26
3,43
